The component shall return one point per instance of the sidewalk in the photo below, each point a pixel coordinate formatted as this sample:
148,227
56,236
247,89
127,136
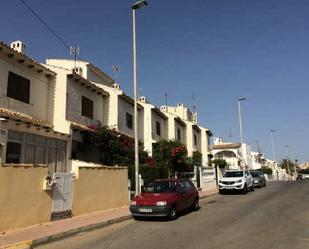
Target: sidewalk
25,238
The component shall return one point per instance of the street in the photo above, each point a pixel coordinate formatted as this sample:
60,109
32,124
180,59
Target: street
276,216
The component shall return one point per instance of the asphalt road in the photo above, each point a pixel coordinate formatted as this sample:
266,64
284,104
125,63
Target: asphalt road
275,217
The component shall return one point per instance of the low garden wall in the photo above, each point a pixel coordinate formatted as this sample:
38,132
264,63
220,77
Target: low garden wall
23,202
99,188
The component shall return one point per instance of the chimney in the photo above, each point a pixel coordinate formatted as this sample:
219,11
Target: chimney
143,99
19,46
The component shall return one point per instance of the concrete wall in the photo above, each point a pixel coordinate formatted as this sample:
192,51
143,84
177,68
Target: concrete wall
23,202
100,188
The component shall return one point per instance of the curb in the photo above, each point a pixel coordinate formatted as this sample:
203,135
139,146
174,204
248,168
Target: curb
207,196
59,236
27,244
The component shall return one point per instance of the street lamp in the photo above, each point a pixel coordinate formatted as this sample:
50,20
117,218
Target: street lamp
240,127
287,161
134,7
272,143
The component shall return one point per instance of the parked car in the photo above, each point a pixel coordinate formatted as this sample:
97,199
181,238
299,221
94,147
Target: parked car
299,177
259,179
165,198
239,180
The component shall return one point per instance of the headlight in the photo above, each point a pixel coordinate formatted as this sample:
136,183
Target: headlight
161,203
133,203
238,181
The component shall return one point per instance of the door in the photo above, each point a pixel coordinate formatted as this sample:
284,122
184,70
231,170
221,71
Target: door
62,196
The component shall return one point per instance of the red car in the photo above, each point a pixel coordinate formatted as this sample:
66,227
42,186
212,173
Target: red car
165,198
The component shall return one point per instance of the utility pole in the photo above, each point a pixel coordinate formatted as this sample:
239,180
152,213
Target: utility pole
240,127
135,6
287,162
272,143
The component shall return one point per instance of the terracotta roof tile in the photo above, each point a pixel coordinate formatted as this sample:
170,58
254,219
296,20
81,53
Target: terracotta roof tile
24,117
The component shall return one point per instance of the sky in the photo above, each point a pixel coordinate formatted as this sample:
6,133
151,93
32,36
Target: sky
203,52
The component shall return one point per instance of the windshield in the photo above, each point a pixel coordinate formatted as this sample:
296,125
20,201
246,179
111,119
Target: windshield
233,174
161,187
255,174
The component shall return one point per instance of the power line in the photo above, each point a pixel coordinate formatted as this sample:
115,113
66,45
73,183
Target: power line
45,24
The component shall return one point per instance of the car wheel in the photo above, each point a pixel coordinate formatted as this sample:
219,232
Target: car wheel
195,205
173,213
221,192
265,184
252,187
244,190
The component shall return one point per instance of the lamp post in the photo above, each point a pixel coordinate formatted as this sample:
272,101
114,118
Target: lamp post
135,6
240,127
287,161
272,143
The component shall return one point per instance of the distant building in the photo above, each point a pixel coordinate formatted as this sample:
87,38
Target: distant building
235,154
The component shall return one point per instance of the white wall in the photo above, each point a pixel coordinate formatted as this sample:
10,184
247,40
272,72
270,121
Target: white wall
41,90
123,108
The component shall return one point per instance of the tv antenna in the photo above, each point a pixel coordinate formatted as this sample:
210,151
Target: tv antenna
116,70
165,95
75,52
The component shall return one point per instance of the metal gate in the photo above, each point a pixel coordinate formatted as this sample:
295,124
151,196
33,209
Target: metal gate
62,196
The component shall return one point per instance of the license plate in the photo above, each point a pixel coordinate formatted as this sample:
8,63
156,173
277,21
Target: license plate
145,210
228,187
256,181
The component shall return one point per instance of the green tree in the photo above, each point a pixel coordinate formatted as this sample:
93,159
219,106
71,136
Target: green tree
288,165
267,170
221,163
170,154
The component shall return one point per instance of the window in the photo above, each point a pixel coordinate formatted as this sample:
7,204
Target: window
87,107
158,128
13,152
18,88
178,134
129,121
195,140
34,149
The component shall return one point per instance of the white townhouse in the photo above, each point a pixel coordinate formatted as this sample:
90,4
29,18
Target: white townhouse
118,107
80,106
27,110
155,125
183,127
235,154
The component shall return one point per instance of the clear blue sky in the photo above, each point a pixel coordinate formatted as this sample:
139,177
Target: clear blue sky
217,50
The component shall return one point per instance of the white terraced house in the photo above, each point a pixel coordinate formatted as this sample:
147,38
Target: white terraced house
155,125
29,134
182,126
118,107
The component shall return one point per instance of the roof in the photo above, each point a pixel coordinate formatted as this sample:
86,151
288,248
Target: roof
18,116
89,85
22,58
99,71
180,121
130,100
196,127
81,127
159,112
226,146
